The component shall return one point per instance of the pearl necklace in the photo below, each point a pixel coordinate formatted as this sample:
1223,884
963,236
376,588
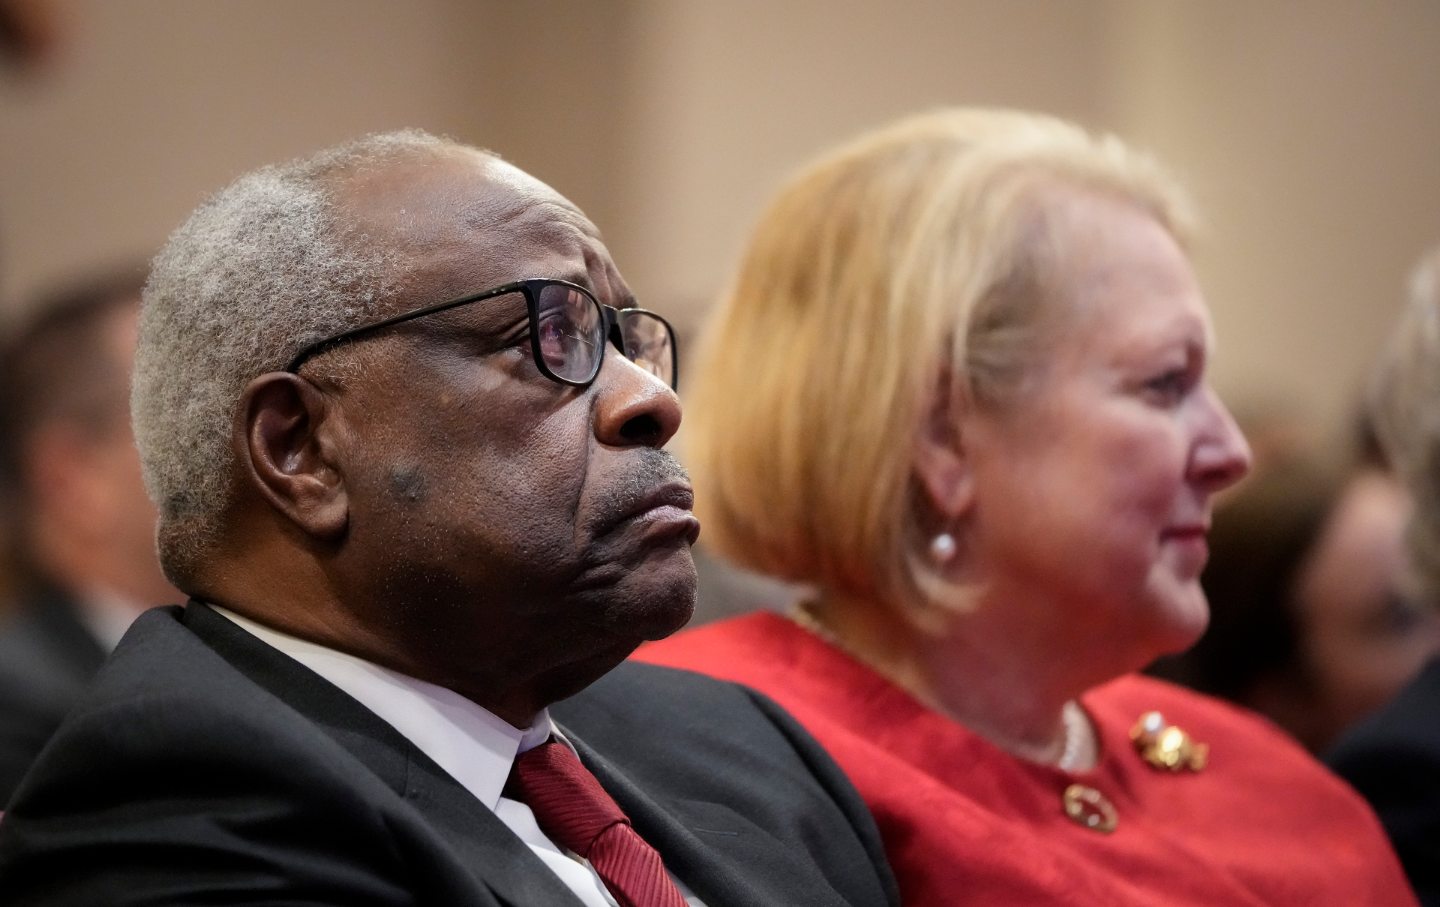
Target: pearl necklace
1074,725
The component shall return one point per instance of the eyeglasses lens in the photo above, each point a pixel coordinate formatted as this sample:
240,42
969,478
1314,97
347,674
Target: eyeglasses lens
569,332
649,344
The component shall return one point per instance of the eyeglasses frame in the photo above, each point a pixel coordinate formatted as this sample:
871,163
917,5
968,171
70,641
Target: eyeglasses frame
530,289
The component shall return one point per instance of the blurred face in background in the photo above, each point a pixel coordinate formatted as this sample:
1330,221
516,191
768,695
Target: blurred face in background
1362,636
128,514
93,525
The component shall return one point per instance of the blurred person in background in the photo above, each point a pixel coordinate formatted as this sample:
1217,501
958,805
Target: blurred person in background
1393,758
84,540
959,387
1312,619
31,33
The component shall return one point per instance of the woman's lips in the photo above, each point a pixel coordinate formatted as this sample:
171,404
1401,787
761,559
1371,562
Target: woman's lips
1190,543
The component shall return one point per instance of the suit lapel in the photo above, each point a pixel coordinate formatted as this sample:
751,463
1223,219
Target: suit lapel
703,844
509,867
495,856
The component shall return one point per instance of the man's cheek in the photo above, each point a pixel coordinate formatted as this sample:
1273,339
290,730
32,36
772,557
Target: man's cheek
408,484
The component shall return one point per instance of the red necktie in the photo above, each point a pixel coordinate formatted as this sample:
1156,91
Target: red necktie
575,812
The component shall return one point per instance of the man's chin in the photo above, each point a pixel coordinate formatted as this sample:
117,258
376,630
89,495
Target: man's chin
662,610
658,597
641,599
672,620
627,629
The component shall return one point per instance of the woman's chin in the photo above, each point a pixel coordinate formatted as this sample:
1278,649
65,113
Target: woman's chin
1183,622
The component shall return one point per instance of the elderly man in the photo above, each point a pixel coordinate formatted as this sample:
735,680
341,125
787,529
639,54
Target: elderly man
85,533
404,429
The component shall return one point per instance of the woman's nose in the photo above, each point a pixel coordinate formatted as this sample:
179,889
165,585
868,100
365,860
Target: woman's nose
1222,457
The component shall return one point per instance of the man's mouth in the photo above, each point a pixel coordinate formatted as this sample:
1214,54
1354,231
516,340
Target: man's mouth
665,512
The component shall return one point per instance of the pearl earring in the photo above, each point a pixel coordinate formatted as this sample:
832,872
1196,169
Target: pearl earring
942,548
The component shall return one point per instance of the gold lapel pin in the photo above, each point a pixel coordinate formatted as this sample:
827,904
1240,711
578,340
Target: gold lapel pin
1165,746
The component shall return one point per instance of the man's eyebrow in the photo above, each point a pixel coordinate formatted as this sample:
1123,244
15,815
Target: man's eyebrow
582,278
624,302
627,301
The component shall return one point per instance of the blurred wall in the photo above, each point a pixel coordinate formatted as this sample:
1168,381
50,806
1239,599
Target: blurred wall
1309,129
150,105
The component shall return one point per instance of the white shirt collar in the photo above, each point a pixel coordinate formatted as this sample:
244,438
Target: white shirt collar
471,744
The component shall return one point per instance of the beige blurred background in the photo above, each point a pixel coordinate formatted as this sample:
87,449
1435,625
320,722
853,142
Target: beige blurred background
1308,129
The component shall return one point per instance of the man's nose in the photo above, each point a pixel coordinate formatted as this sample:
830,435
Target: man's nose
634,408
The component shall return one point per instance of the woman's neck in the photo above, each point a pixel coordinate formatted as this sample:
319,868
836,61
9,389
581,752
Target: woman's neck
1006,688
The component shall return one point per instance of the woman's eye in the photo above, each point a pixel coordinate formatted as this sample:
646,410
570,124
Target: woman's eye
1398,617
1169,387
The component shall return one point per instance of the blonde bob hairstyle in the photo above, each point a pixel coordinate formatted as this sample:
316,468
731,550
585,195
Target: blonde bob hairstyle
908,263
1405,404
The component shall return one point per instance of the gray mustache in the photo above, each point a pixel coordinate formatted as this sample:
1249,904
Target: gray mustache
655,469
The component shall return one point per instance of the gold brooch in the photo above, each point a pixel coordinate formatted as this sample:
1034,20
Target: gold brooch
1089,808
1165,746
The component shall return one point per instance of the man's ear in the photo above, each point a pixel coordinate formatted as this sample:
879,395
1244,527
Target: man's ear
287,452
939,460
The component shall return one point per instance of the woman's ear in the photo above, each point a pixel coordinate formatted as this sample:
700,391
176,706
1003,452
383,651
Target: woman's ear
940,461
287,452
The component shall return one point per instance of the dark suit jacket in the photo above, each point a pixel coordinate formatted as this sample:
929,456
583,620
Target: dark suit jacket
1393,759
206,767
47,658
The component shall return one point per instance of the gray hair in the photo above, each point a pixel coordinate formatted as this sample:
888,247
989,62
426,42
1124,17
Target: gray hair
261,269
1405,401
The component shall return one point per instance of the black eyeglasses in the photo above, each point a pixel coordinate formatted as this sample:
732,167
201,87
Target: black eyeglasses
568,331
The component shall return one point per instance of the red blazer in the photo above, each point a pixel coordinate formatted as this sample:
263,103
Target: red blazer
966,823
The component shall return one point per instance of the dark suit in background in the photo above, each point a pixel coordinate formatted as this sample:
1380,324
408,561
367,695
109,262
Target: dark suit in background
82,522
1393,759
47,657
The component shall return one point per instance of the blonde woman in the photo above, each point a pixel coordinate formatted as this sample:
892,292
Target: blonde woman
959,388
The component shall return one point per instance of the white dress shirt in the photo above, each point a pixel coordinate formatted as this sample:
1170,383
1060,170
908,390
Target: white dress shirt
473,746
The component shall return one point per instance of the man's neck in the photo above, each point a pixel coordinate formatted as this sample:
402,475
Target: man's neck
471,743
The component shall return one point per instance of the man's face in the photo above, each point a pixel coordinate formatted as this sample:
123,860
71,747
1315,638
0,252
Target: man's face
501,525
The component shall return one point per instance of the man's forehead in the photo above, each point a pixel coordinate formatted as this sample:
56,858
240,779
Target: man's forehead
431,194
442,208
